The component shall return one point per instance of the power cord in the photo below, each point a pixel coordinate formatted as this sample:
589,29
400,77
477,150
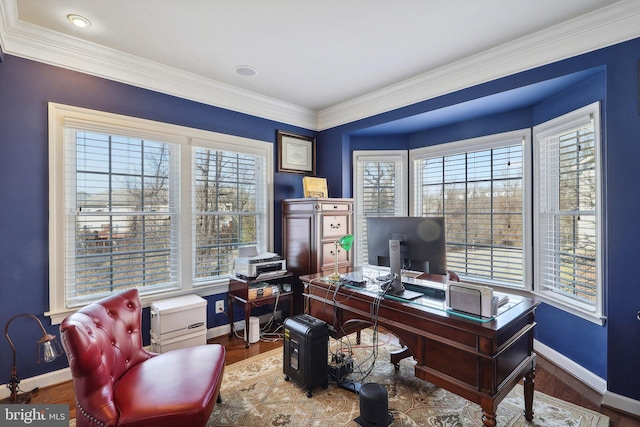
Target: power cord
344,367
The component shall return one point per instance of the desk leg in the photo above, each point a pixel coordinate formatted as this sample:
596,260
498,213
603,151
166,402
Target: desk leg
230,306
397,355
247,315
528,394
489,419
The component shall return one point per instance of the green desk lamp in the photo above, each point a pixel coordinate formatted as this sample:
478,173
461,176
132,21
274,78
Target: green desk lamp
345,242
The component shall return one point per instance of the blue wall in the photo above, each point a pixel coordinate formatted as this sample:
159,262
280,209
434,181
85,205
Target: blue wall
608,75
26,87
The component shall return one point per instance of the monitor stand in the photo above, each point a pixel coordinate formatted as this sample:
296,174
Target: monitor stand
396,288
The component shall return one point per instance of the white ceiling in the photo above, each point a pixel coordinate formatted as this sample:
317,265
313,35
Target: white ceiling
311,56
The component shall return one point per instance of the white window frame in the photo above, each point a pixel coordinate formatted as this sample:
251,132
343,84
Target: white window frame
400,158
61,116
522,136
556,126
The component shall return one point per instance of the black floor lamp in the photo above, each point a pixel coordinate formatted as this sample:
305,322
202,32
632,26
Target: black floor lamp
48,350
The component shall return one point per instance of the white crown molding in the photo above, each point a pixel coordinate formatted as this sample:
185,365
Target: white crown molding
605,27
32,42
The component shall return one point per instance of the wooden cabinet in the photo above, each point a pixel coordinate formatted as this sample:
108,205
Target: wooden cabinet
310,228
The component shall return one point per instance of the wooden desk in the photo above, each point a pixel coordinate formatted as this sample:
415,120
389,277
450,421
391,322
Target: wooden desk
239,292
478,360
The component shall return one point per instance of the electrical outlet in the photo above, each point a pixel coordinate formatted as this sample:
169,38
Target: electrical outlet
219,306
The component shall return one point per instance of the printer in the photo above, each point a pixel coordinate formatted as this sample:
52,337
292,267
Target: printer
252,265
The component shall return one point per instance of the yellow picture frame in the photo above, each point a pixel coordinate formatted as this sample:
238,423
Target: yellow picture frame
314,187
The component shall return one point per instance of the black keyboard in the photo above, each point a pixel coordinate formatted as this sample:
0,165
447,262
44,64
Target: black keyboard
427,291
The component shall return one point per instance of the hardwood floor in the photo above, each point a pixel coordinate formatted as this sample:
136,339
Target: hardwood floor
550,380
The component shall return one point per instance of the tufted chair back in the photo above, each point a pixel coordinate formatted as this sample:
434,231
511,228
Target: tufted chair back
103,341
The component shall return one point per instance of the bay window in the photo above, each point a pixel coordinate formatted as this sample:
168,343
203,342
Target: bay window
521,211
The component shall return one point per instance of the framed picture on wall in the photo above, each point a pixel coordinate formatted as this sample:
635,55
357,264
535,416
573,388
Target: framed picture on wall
296,153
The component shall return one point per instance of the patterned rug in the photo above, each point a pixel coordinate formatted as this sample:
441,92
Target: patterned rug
255,393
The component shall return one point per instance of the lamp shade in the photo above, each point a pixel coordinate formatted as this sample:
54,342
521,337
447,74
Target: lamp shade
48,350
346,242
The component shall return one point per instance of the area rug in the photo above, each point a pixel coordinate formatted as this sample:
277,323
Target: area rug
254,393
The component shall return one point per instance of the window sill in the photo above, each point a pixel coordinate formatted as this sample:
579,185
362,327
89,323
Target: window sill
213,288
560,305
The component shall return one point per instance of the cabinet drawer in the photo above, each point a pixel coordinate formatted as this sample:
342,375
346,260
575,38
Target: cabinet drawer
328,259
335,207
335,226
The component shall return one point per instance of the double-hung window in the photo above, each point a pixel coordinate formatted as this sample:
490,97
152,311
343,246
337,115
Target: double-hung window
122,213
480,187
230,207
567,219
380,189
147,205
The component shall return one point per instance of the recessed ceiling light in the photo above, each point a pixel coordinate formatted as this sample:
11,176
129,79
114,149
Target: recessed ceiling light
246,71
79,21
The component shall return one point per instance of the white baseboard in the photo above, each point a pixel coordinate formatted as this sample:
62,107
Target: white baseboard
579,372
609,399
40,381
264,318
621,403
221,330
238,325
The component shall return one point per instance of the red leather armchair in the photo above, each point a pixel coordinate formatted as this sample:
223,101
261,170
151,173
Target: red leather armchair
118,383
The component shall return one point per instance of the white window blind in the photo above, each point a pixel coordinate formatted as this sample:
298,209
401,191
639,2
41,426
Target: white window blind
230,208
123,214
567,209
478,186
380,187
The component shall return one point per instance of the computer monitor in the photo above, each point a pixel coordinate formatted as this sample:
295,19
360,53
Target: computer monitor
407,243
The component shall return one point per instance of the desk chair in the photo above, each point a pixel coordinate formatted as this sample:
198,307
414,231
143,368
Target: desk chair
118,383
